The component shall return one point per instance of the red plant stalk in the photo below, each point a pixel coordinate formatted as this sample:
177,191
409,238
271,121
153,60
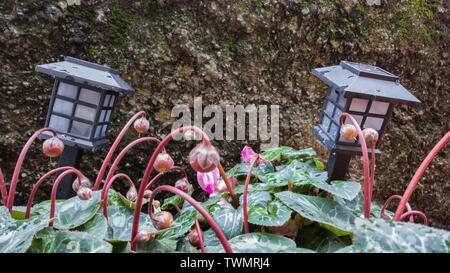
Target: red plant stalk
36,186
367,190
229,186
408,207
3,190
412,212
124,151
149,169
106,189
12,187
372,168
199,208
113,148
199,232
418,174
244,204
55,187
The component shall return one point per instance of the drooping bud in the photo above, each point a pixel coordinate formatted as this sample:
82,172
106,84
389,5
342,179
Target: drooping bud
348,132
84,193
141,125
53,147
183,185
370,135
193,237
85,182
163,162
132,194
147,194
142,236
162,220
204,157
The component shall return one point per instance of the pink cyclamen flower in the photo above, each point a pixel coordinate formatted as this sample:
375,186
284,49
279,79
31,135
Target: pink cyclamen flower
208,180
248,153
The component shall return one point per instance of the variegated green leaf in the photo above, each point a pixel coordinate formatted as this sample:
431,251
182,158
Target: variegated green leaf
296,250
274,214
298,173
174,200
16,235
319,209
120,223
181,225
70,242
157,246
381,236
184,246
344,189
96,227
287,152
239,188
319,239
229,219
255,243
256,197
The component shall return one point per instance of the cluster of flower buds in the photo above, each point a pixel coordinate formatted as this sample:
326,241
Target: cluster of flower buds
82,188
348,132
53,147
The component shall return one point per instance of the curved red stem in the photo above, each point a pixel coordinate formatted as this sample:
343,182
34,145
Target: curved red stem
149,184
372,168
199,232
199,208
418,174
367,190
12,187
55,187
35,187
411,213
3,190
408,207
113,148
149,169
105,190
244,202
124,151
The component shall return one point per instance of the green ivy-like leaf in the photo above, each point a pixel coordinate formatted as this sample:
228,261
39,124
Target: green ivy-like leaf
318,209
16,236
229,219
256,197
381,236
344,189
275,215
174,200
120,223
96,227
255,243
298,173
157,246
319,239
70,242
74,212
239,188
287,152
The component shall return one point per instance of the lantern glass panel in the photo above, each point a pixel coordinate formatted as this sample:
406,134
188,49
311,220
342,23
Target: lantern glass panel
379,107
358,119
106,102
81,129
358,105
111,103
329,108
58,123
67,90
97,131
85,112
102,116
337,113
325,123
89,96
63,107
104,130
374,123
108,115
334,129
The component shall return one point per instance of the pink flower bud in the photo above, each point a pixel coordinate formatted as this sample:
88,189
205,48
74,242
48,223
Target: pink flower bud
204,157
348,132
141,125
183,185
370,135
84,183
162,220
147,194
163,162
193,237
84,193
132,194
53,147
142,236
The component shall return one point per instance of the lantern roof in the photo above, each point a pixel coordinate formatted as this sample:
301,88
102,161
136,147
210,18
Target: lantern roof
365,81
87,73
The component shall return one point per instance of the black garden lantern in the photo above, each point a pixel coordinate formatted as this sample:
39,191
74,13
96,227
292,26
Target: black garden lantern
81,106
369,94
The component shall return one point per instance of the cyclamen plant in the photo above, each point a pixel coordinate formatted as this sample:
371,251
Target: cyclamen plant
281,207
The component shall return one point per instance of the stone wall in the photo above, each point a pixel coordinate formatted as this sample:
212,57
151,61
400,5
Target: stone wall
245,52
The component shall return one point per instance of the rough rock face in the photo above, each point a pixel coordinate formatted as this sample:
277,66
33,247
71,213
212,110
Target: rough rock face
244,52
